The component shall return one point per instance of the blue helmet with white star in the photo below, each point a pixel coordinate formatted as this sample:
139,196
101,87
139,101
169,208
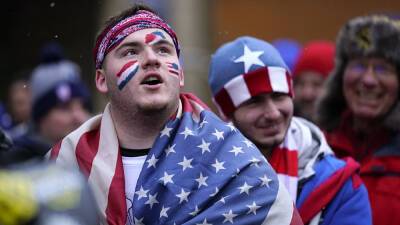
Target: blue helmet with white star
245,68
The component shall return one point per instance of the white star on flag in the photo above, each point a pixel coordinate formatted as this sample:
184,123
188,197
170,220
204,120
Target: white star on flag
253,208
166,131
255,161
152,161
229,216
245,188
196,210
204,223
139,221
152,200
218,165
187,132
250,58
202,180
142,193
248,143
265,180
164,211
183,196
223,199
215,192
186,163
231,126
170,149
218,134
204,122
204,146
236,150
167,178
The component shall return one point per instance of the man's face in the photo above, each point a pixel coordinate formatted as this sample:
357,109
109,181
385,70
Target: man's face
307,88
370,87
264,119
62,119
143,72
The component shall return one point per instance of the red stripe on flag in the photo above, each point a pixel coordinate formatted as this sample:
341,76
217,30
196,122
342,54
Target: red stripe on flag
284,161
296,219
55,150
225,102
116,207
86,150
126,66
289,83
258,81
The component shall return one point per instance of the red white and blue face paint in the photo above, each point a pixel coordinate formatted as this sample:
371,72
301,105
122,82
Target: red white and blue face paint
154,37
126,73
173,68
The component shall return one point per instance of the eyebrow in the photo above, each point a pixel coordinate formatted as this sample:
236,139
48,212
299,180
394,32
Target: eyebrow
164,41
127,44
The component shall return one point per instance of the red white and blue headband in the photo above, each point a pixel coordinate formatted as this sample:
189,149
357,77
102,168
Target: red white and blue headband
112,36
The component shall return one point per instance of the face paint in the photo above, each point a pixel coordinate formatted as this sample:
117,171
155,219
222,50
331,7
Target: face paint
154,37
126,73
173,68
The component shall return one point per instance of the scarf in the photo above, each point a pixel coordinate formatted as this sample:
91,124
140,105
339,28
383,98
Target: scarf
200,170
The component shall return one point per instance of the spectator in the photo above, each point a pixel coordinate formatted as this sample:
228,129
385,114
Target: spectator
251,86
158,156
313,66
59,100
19,107
361,112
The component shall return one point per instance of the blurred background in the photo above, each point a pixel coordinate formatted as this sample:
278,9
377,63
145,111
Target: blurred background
201,25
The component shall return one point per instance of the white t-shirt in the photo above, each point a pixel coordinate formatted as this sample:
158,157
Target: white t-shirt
132,167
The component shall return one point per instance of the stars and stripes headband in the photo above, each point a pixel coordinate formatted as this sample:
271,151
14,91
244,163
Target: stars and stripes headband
243,69
111,36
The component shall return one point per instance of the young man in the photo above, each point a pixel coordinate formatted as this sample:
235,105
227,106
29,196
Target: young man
156,156
252,87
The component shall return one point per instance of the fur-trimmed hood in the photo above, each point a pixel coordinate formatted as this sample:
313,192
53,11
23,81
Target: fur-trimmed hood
377,36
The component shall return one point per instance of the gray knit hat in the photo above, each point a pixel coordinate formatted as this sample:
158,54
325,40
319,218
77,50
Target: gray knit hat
375,35
56,83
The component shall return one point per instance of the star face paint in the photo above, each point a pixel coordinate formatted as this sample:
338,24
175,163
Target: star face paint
126,73
173,68
153,37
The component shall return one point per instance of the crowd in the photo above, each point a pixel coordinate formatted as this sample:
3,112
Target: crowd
303,134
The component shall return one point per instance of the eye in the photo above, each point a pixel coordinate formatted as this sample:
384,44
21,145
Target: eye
130,52
164,50
278,96
357,67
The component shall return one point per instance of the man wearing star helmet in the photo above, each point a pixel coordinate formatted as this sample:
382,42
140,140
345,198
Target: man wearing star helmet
252,87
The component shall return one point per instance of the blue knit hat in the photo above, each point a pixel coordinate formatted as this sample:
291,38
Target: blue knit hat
244,68
56,83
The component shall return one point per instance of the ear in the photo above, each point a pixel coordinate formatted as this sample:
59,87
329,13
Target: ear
101,82
181,78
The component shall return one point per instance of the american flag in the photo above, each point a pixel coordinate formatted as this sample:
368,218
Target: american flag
173,68
126,73
200,170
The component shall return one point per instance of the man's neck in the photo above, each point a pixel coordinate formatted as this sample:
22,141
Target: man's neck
139,129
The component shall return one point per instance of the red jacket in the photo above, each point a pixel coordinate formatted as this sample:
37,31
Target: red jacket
379,156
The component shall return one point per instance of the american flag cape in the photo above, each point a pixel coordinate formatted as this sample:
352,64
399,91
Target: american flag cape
200,170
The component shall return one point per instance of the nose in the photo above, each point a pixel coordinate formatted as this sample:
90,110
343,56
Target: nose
150,59
270,109
369,78
307,94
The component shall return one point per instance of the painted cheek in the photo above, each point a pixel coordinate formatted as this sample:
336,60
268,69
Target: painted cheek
173,68
126,73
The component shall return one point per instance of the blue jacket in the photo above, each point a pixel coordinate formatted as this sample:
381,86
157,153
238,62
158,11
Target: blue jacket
330,191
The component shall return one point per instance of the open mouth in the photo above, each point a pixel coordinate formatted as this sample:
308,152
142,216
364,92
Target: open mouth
152,80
